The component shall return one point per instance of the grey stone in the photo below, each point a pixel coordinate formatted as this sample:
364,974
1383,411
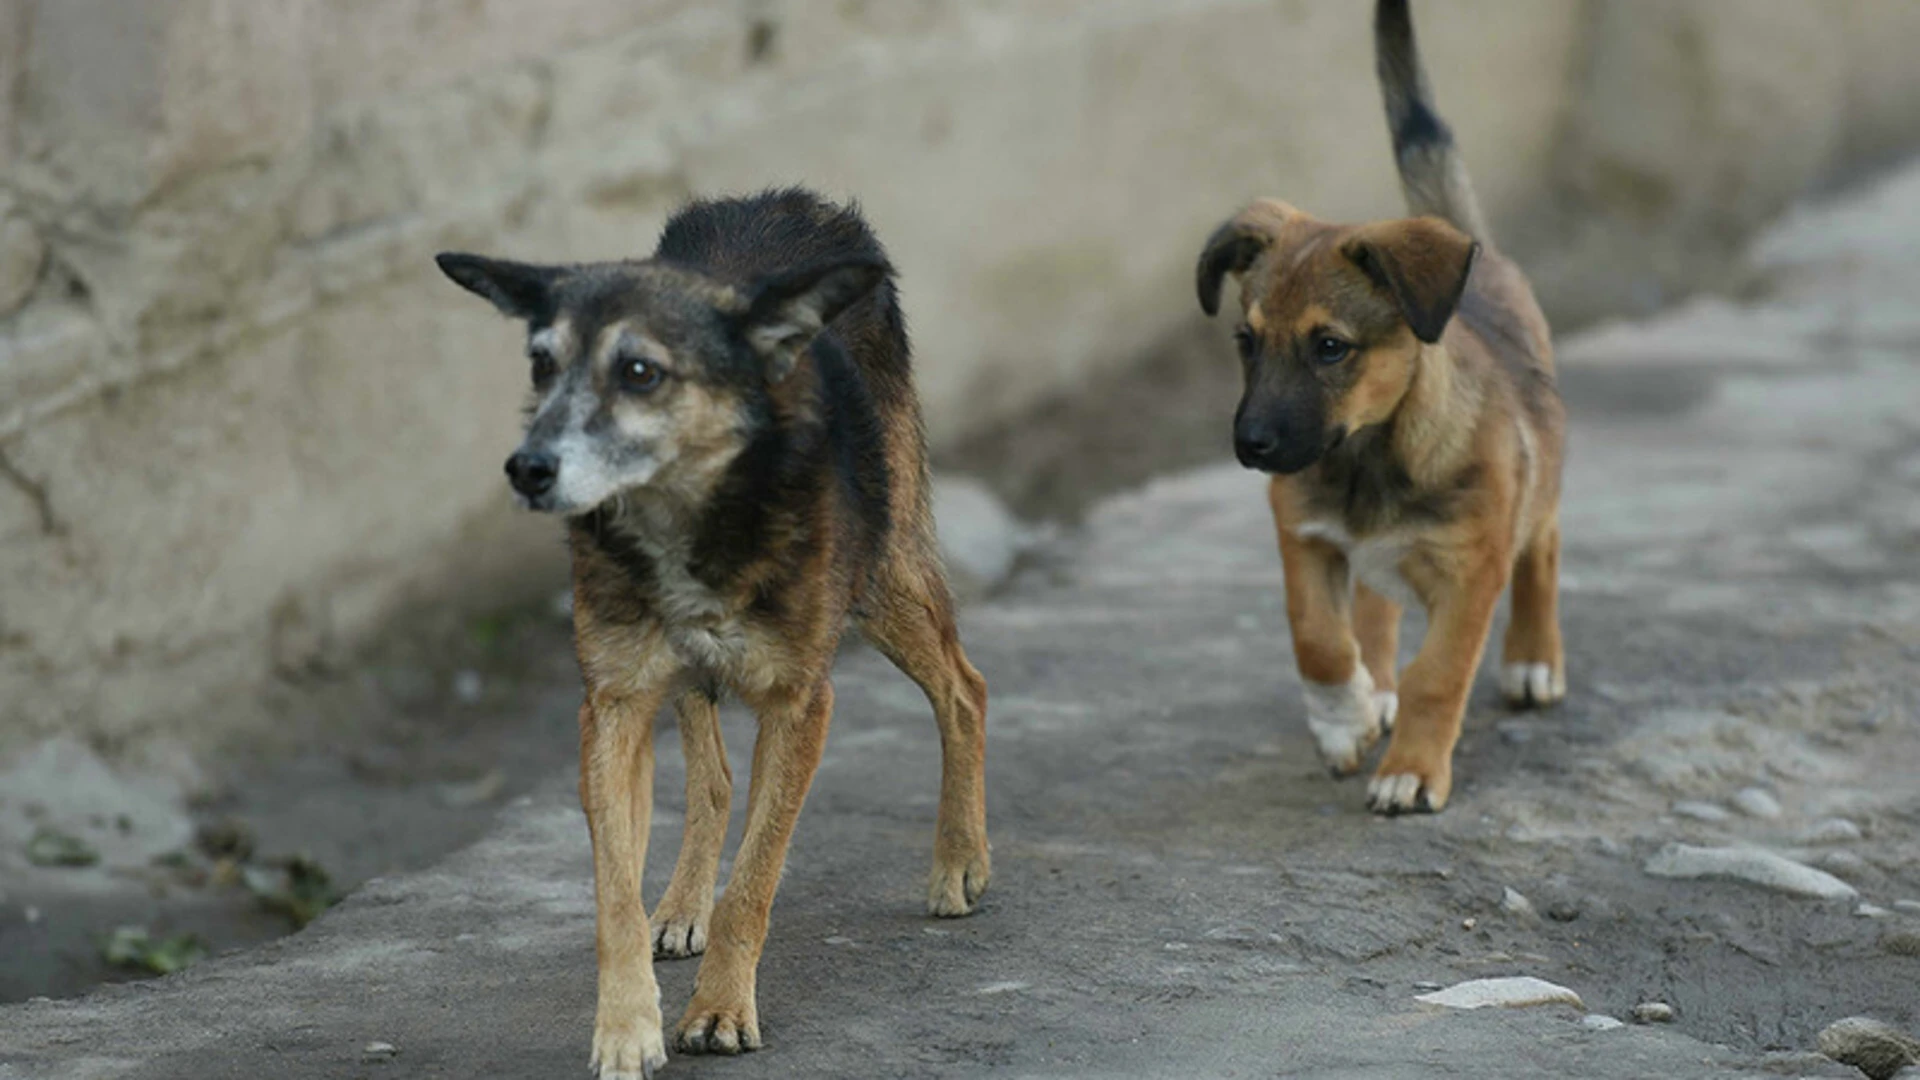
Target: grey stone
1880,1050
1600,1022
1837,830
1757,803
1901,942
1701,811
1653,1012
979,537
1516,991
1752,865
1517,905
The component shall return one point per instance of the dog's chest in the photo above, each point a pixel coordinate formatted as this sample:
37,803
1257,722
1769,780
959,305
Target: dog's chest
697,623
1376,561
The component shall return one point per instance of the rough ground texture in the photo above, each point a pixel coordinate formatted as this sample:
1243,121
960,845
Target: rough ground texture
1181,890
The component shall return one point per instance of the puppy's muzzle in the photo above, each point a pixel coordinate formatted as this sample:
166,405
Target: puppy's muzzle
1273,450
532,472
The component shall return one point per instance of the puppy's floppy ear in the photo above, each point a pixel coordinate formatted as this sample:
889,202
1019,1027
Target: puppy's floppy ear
785,311
1235,245
519,290
1424,262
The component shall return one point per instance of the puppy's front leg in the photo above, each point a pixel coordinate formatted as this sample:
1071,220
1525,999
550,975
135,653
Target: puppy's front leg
616,790
1343,712
723,1017
1417,772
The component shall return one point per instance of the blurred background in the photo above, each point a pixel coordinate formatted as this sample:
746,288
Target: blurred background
262,589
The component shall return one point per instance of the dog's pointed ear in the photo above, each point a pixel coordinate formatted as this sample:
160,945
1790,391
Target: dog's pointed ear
519,290
1423,262
784,312
1235,245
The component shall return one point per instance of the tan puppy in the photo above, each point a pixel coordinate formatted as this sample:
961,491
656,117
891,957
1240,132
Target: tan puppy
1400,389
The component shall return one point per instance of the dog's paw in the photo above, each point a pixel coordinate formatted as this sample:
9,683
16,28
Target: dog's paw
678,934
630,1050
1405,785
1532,686
721,1029
954,889
1347,719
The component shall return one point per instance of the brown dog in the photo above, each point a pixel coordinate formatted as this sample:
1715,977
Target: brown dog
1400,387
731,431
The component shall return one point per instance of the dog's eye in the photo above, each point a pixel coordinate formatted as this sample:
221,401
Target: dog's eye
639,375
545,367
1330,350
1243,341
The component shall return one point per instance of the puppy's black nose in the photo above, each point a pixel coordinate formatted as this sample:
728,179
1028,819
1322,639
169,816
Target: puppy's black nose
1255,448
532,472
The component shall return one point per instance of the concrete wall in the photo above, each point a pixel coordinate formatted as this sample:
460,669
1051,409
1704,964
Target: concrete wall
242,421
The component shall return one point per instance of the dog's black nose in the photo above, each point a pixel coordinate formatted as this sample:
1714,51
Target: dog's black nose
532,472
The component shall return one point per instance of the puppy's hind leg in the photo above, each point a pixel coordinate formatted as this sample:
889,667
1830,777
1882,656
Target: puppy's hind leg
1533,669
911,622
680,922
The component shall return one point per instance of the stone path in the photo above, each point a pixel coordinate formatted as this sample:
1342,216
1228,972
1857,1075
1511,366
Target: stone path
1181,890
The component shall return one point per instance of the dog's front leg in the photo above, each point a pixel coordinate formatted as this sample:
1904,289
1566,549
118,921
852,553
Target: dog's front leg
723,1017
680,922
1417,772
616,790
1343,712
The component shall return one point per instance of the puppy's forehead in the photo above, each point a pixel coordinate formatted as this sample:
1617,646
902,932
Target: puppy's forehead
1305,282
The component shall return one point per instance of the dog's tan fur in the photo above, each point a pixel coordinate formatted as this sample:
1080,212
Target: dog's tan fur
1442,483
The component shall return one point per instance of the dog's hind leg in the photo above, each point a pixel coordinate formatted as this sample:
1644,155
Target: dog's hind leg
1376,625
680,922
723,1017
911,622
1533,669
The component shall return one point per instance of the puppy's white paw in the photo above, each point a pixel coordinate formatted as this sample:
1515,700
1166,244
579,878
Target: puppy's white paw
629,1055
1387,704
1531,685
627,1042
1347,719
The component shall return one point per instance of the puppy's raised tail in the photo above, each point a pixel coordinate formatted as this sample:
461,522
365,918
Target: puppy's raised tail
1431,171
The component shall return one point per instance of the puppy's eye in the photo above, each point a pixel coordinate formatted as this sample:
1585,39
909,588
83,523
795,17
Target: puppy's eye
545,367
1243,341
638,375
1330,350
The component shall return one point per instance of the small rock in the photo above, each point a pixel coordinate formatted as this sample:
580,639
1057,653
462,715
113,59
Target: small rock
979,537
1871,911
1516,904
1600,1022
1426,987
1836,830
1653,1012
1877,1049
1513,992
379,1051
468,686
1757,803
1907,905
1469,923
1842,862
1701,811
1901,942
1752,865
1563,910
